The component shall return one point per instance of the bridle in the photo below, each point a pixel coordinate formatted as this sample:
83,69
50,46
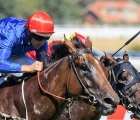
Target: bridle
92,99
71,59
114,71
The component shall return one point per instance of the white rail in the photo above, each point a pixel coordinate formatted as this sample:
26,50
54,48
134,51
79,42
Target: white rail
97,32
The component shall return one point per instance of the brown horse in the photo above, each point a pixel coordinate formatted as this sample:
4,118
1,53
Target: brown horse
44,97
80,110
126,83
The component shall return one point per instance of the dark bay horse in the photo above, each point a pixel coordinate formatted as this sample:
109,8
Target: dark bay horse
45,95
127,87
125,80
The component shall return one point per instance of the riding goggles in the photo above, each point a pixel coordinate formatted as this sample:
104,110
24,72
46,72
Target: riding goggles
39,38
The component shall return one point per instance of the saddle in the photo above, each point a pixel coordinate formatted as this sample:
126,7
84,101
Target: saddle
17,80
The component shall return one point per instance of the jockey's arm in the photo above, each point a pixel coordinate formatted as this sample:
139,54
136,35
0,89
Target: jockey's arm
7,66
36,66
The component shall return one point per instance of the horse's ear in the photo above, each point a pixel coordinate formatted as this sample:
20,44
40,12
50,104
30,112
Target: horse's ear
88,43
125,56
105,54
103,57
71,47
110,58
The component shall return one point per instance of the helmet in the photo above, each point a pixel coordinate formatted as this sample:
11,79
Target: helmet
72,35
40,23
81,37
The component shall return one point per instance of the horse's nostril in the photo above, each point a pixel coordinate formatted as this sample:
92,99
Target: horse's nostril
109,101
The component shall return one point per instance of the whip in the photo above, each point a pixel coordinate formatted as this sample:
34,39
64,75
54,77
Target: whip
127,42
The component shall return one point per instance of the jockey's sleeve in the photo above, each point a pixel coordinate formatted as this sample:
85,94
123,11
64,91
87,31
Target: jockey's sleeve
5,65
7,41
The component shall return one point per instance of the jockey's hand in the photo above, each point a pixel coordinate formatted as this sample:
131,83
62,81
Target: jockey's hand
36,66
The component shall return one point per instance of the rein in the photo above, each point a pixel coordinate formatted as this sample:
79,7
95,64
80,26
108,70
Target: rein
38,76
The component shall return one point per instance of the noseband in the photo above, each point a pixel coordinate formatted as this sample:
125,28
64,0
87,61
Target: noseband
114,72
90,97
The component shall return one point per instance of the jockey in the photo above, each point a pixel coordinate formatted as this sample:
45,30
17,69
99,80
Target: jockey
32,54
19,36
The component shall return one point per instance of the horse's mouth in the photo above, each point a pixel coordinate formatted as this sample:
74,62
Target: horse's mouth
108,111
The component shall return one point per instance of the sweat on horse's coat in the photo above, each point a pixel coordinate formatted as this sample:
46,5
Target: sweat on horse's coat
42,105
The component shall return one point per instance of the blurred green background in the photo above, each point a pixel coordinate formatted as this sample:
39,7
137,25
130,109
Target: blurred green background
62,11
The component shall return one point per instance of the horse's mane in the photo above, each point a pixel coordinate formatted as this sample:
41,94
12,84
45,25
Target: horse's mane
59,50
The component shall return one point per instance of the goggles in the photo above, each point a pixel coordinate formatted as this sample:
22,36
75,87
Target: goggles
39,38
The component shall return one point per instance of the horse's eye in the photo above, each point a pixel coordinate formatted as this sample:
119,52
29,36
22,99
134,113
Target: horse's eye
125,77
84,67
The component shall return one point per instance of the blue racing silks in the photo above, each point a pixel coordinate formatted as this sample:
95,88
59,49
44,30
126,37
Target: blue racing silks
14,41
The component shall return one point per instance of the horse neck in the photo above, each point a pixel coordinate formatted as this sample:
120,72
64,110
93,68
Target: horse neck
53,78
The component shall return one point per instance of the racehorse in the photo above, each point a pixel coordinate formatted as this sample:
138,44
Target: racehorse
123,77
125,80
45,95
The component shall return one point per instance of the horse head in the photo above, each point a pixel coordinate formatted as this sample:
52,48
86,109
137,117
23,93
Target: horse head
88,71
125,80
